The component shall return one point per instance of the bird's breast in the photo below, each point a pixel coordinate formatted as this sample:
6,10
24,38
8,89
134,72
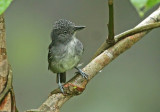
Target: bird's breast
68,59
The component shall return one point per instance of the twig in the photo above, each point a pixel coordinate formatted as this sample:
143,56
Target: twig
136,30
110,40
127,33
149,20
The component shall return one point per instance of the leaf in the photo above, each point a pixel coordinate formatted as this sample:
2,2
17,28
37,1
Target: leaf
142,6
152,3
4,5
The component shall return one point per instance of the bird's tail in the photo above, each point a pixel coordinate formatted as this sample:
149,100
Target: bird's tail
62,77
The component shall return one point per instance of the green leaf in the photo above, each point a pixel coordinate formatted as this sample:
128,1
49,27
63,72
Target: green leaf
4,5
152,3
144,5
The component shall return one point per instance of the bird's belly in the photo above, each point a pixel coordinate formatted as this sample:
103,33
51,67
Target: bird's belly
64,64
67,59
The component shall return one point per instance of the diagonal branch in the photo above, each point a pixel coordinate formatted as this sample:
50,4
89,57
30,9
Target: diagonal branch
137,30
127,33
77,84
153,18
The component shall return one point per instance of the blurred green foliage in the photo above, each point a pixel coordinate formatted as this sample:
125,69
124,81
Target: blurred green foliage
3,5
143,6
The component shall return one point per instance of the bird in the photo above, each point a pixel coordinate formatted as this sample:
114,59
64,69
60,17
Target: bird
65,50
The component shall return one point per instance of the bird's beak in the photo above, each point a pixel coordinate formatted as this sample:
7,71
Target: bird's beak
77,28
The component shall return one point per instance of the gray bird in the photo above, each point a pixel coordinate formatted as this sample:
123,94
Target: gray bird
65,50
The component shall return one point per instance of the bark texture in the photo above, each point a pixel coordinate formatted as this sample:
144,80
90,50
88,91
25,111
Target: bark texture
7,99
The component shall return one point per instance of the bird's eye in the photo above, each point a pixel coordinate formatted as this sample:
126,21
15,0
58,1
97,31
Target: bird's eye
65,31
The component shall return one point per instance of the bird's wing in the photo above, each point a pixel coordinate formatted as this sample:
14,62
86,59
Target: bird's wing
79,48
49,55
55,54
49,59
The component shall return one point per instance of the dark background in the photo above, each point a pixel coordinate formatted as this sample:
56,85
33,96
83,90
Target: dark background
131,83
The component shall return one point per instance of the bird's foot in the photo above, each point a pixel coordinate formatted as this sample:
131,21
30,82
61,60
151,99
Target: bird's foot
61,87
83,74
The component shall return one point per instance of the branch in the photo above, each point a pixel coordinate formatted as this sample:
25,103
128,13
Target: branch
7,98
153,18
110,40
127,33
8,86
77,84
137,30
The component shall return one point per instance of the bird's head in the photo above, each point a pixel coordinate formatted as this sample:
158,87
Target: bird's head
64,30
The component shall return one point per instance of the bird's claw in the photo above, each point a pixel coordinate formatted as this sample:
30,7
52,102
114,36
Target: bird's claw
83,74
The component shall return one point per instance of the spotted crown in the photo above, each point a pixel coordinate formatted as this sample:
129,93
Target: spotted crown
63,24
